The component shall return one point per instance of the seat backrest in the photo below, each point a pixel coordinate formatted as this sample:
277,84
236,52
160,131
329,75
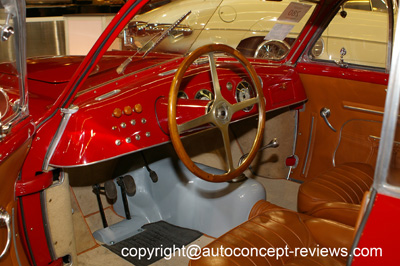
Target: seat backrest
337,193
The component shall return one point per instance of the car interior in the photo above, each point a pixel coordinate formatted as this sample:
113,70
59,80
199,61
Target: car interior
300,153
315,176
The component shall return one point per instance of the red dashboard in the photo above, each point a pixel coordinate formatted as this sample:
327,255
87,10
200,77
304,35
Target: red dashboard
128,113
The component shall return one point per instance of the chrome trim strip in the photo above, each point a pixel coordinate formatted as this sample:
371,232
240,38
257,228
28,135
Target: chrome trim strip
309,145
60,131
296,128
107,95
355,108
166,73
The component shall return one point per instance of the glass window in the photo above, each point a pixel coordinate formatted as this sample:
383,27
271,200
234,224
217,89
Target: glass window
355,36
265,29
9,77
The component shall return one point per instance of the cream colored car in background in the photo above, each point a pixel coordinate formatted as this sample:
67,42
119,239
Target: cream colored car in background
358,34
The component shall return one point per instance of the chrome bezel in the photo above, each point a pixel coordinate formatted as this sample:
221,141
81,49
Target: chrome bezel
252,93
204,93
182,95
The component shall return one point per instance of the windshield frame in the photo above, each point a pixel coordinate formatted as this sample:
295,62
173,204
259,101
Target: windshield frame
15,9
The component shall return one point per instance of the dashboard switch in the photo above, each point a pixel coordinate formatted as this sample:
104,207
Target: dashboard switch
117,113
138,108
128,110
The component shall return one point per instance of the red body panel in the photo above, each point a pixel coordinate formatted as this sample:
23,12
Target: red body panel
330,70
380,232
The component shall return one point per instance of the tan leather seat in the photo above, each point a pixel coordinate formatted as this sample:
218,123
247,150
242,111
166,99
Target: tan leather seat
337,193
275,227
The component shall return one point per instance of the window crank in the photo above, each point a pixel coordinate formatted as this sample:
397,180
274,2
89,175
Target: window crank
325,114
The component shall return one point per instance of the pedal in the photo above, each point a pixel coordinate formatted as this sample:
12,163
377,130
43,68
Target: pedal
130,185
111,190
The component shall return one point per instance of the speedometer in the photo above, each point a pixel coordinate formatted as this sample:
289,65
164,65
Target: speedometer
244,91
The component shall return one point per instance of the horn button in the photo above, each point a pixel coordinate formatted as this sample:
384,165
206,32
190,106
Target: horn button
222,113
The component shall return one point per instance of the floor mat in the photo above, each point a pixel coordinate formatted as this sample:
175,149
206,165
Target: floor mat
156,241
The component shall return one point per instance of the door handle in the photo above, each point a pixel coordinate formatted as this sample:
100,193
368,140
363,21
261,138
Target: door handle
5,220
325,114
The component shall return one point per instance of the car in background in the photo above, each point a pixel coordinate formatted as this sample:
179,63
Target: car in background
251,27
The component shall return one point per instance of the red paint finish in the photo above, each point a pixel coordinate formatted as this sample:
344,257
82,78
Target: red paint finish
40,144
331,70
381,232
186,110
52,70
41,182
94,134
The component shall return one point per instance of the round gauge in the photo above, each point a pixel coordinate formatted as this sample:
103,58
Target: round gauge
244,91
182,95
204,95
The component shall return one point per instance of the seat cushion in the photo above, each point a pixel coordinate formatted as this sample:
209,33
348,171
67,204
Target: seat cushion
345,183
277,229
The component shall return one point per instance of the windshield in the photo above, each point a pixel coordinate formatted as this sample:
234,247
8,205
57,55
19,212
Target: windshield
257,28
12,67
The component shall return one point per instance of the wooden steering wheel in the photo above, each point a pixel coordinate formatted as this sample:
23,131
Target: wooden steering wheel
219,113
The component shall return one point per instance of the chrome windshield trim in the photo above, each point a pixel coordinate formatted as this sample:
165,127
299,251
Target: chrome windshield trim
67,113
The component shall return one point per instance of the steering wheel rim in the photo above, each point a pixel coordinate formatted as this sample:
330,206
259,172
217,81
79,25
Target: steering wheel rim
219,105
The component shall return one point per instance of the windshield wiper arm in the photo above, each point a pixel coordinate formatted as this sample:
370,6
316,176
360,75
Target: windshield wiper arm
122,67
166,32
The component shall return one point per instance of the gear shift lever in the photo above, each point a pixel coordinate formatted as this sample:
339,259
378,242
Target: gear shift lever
272,144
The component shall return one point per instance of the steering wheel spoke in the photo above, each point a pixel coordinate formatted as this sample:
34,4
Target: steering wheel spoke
214,77
244,104
199,121
227,146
